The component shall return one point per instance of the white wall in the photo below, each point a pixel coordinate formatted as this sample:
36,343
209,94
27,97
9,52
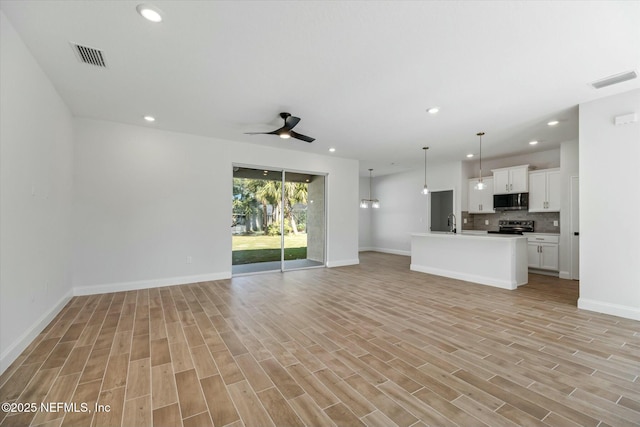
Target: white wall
403,208
569,166
609,177
147,199
36,146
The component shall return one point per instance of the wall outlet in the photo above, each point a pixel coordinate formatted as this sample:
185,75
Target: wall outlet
486,222
189,260
555,223
464,220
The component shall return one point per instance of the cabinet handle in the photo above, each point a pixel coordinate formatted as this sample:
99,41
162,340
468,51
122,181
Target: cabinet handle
510,186
480,206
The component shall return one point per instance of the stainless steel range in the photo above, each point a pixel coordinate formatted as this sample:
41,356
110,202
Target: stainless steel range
513,226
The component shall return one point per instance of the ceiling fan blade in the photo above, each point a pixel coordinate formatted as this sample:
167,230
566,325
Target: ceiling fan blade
291,122
301,137
273,132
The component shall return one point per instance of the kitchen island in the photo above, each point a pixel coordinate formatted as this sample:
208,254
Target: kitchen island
494,260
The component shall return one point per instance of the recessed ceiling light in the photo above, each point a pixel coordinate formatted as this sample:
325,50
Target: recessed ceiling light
150,118
332,150
553,123
533,142
149,12
433,110
469,155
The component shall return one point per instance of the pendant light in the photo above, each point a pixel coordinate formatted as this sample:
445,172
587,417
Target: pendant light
374,203
425,189
480,185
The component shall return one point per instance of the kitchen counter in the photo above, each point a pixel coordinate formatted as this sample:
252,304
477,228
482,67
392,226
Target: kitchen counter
498,260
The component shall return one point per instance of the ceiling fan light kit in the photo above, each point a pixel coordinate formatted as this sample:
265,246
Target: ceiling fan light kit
286,131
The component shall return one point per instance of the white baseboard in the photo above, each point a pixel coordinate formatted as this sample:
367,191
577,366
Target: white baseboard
366,249
148,284
392,251
482,280
609,308
343,263
543,272
13,351
565,275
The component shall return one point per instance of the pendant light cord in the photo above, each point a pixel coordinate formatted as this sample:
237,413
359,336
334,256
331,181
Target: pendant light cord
370,170
425,164
480,135
480,156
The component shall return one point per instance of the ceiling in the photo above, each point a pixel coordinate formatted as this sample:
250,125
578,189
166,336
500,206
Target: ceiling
360,75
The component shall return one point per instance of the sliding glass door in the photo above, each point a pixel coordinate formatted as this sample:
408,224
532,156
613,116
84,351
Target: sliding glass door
304,236
278,220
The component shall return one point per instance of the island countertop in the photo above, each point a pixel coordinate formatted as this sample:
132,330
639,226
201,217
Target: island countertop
470,235
496,260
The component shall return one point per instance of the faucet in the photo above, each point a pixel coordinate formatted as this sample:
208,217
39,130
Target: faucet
450,223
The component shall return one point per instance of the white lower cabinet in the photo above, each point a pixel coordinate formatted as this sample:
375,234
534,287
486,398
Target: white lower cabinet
542,252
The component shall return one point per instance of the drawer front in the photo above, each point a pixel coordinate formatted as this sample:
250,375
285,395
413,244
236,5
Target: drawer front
543,239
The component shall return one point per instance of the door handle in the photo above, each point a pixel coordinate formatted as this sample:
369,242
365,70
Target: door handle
576,233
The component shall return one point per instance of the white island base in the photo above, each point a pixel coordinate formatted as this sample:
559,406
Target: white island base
494,260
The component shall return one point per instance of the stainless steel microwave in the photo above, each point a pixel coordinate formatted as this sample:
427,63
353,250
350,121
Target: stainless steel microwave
511,202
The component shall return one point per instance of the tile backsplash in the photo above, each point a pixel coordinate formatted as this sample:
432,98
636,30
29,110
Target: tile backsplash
543,220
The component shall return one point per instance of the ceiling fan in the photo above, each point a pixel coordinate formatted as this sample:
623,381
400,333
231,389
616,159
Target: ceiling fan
286,131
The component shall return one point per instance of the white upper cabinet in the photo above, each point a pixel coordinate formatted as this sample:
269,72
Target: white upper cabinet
511,180
544,191
481,201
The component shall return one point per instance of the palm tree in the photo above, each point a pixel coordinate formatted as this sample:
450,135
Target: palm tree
271,193
268,193
294,192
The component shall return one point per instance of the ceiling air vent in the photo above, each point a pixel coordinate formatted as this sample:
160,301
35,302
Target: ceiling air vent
612,80
89,55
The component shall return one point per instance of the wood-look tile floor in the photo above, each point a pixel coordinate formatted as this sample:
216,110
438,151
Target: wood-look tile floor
374,344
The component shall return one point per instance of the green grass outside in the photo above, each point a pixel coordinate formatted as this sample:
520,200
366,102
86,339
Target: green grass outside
256,248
